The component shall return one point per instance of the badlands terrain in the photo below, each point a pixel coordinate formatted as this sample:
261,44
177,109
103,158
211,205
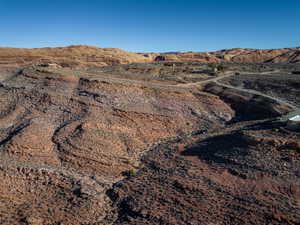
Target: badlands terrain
92,136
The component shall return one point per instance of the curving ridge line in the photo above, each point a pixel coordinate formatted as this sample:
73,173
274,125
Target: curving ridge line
250,91
283,102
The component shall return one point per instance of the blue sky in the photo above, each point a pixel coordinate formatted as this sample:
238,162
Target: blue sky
151,25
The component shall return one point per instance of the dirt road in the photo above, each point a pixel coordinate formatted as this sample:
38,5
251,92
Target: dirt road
231,73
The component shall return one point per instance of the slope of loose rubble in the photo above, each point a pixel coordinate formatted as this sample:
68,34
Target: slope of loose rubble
234,177
144,144
66,138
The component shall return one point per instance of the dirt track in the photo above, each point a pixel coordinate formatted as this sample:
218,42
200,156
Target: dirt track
218,80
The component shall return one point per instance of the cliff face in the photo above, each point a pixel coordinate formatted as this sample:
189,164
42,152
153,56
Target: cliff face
88,56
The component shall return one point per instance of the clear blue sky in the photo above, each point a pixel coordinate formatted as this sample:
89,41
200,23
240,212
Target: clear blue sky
151,25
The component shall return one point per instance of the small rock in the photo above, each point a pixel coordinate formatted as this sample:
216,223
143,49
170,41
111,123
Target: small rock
32,220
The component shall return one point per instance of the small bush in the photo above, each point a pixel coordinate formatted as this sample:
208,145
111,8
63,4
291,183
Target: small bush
221,67
132,172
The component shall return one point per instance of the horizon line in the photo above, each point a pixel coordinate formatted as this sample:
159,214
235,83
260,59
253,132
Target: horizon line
149,52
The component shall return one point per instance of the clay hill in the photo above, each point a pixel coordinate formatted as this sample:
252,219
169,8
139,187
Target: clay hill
103,136
88,56
240,55
72,56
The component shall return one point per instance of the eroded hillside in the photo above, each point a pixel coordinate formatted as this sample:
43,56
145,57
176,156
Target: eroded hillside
64,137
145,144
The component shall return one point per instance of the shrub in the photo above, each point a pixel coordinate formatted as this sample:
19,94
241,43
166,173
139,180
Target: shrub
221,67
132,172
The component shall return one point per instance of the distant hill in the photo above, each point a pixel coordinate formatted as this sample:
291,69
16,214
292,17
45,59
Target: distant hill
240,55
72,56
89,56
